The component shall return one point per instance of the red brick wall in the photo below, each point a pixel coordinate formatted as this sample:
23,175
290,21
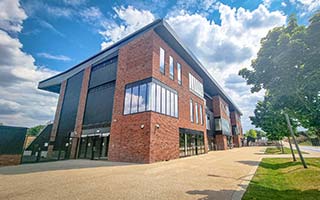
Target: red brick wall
138,60
166,146
7,160
128,142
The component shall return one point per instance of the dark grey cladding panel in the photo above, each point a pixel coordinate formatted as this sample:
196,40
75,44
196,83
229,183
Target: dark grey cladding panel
69,108
103,72
12,139
99,104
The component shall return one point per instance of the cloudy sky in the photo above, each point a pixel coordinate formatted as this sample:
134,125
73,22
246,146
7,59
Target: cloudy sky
39,39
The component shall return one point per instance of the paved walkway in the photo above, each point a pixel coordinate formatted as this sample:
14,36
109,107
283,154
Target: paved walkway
216,175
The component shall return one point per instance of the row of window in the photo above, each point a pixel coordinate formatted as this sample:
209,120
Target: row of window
151,96
195,86
197,112
171,66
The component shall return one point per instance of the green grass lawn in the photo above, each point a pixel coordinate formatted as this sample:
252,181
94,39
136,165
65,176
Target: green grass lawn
275,150
280,178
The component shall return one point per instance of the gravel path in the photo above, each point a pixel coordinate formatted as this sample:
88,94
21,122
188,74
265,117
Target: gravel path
216,175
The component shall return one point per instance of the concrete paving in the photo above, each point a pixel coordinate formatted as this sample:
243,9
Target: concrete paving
216,175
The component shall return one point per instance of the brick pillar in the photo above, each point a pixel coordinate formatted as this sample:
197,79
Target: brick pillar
221,142
56,118
237,140
80,113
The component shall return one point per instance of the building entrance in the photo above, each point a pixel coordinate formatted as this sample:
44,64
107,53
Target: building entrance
191,142
94,147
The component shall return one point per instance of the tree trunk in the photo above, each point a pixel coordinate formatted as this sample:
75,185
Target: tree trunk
293,156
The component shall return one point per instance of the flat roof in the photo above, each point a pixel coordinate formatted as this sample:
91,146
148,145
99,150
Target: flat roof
163,29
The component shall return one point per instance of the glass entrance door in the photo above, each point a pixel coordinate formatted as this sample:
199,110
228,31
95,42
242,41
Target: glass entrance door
94,147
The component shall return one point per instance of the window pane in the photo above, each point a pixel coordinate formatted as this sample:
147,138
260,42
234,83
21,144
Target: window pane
171,67
175,105
158,102
208,122
161,60
196,113
151,96
134,99
195,85
179,72
142,97
200,113
172,104
163,101
168,102
191,111
217,124
127,101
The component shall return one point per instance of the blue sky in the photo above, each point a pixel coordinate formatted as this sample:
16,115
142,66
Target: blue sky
41,38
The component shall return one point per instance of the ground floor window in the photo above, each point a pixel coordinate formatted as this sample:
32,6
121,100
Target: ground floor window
191,142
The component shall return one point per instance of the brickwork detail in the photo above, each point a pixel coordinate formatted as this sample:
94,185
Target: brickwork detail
221,142
7,160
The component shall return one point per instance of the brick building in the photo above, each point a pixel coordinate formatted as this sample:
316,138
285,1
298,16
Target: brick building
144,99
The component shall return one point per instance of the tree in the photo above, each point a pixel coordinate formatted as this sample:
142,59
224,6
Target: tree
287,68
34,131
251,133
260,134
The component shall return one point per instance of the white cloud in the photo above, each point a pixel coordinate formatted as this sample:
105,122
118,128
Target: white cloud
132,19
223,48
309,5
11,15
54,57
21,103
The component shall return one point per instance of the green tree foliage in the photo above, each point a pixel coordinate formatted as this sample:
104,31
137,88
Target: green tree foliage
251,133
260,134
288,68
34,131
271,120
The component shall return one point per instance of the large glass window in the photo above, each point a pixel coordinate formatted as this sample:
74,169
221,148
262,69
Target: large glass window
226,126
179,73
208,122
127,101
142,97
191,110
200,114
171,67
162,66
168,100
195,85
134,99
163,100
196,113
152,96
176,107
158,98
217,124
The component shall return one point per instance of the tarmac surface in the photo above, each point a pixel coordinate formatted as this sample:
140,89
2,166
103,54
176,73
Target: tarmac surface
216,175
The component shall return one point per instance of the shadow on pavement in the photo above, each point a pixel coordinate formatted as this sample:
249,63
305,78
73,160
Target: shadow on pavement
212,194
58,165
249,162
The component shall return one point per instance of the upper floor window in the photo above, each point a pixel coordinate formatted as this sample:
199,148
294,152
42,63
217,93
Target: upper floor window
200,114
171,67
226,126
195,86
208,122
162,65
226,109
179,73
150,96
196,113
191,110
